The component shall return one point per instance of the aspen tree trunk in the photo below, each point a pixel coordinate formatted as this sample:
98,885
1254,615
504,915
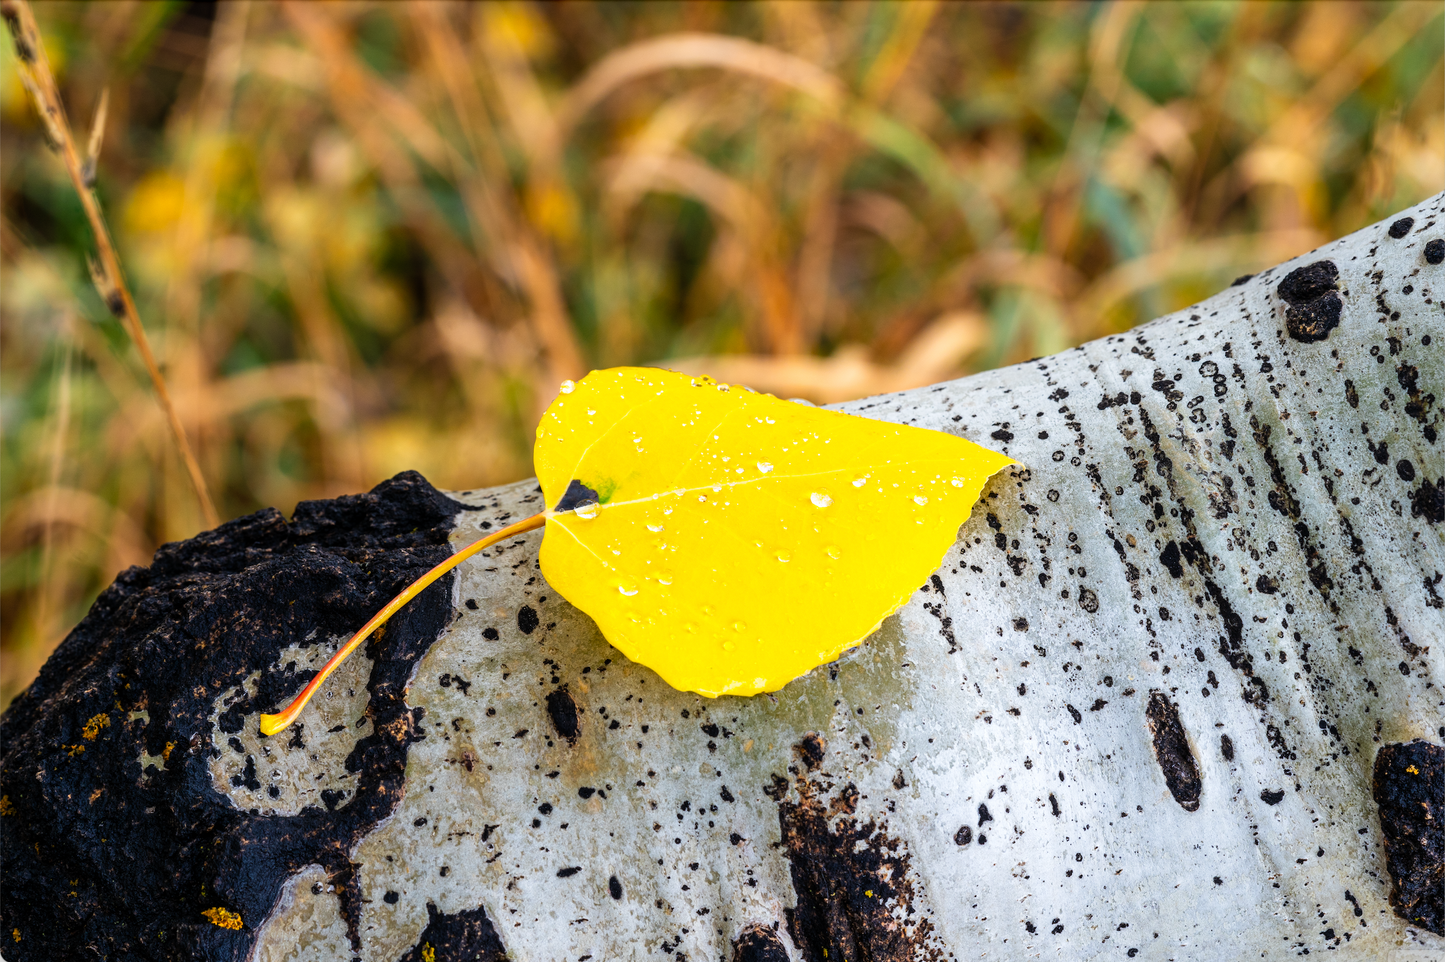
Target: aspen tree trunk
1175,694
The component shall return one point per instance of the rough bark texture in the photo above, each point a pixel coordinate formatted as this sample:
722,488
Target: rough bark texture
1174,694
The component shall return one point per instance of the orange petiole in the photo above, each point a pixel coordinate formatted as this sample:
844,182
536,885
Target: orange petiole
271,724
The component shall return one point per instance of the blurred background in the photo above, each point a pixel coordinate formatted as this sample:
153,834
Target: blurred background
367,237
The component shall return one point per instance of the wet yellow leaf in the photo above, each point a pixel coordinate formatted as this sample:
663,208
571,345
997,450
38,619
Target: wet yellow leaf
726,539
731,541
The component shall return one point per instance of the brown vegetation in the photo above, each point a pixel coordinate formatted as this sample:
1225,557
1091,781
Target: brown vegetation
369,237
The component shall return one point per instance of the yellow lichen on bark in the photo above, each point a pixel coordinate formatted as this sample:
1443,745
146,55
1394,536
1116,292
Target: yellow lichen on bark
223,918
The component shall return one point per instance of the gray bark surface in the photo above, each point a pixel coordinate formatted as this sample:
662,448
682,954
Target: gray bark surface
1135,714
1137,708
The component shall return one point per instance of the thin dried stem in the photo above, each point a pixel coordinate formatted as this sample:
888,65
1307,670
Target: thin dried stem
35,74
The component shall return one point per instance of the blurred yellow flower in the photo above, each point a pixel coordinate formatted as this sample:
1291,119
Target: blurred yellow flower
155,203
522,25
553,210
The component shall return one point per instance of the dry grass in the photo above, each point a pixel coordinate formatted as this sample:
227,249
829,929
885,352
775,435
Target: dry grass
369,237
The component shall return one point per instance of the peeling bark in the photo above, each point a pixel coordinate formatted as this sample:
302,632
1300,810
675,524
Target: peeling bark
1175,693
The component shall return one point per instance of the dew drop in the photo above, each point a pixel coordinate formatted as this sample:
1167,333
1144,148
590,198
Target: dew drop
702,497
664,579
689,627
627,588
919,499
957,482
859,482
833,552
591,412
728,646
764,467
820,499
784,556
739,626
567,387
587,510
654,528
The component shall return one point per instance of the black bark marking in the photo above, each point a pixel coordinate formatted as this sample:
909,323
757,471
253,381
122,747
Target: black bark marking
963,836
1226,747
759,943
1401,227
614,888
810,750
1172,752
1435,251
576,495
1271,796
563,712
170,638
854,884
1170,557
527,620
1428,501
1282,499
1304,284
451,938
1409,788
1312,293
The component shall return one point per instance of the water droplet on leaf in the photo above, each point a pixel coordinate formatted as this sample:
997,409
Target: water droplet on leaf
567,387
764,467
820,498
587,510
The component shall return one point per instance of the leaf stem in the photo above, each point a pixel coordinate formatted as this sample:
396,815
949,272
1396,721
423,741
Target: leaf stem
271,724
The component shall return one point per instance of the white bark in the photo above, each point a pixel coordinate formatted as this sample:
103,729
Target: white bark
1018,681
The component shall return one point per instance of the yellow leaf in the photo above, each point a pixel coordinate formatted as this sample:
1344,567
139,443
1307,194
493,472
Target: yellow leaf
726,539
731,541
